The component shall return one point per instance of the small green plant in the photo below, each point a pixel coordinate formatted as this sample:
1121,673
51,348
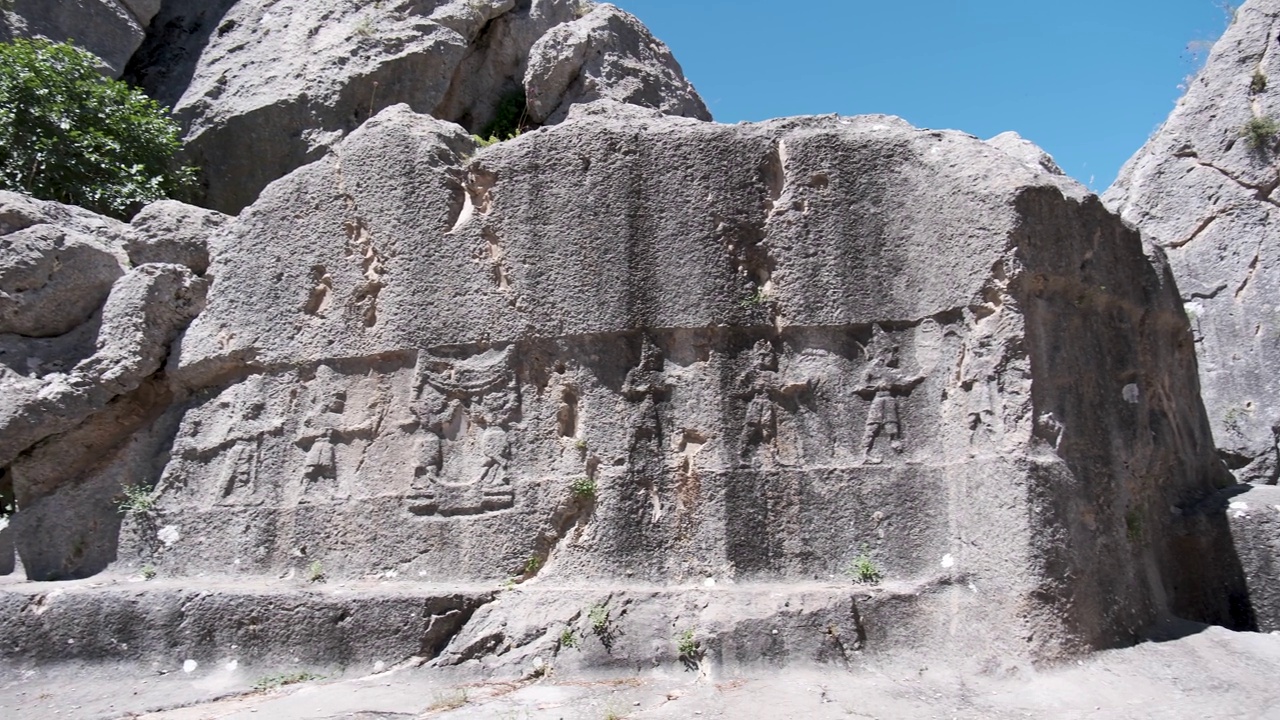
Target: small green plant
364,28
315,572
272,682
598,616
583,488
532,565
580,444
1133,525
510,583
756,300
612,714
68,133
448,701
569,638
1260,132
687,645
1258,84
864,571
508,118
148,572
136,500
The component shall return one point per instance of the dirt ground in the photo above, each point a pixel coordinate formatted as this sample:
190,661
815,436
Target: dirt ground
1209,673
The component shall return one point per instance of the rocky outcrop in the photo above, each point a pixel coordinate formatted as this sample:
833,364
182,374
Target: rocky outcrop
110,29
83,334
266,86
1203,188
632,351
607,54
175,233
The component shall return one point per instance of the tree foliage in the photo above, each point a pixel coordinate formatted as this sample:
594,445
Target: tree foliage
70,134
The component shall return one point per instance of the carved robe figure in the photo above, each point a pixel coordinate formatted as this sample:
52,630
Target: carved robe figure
324,427
239,480
764,389
982,360
646,385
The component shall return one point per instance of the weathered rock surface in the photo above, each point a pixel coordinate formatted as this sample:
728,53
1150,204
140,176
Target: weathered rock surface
1204,192
607,54
1254,514
266,86
1026,151
83,332
172,622
110,29
172,232
630,354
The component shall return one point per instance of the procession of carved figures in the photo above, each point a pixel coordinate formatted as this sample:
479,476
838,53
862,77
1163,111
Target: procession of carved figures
440,432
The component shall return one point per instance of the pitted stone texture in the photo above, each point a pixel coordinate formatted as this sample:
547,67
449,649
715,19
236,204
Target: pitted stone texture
607,54
110,29
1202,192
51,281
280,624
638,349
1254,516
172,232
143,314
266,86
1026,151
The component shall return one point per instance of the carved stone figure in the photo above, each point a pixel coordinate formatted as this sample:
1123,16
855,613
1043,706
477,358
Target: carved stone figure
324,427
238,482
883,383
465,409
764,388
646,385
982,358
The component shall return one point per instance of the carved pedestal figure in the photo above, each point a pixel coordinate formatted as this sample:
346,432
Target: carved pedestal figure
465,409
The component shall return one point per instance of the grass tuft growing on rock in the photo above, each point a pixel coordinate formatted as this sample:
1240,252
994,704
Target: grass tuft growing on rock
863,570
136,500
273,682
1260,132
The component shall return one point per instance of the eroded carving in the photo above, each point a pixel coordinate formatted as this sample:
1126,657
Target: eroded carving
883,383
764,388
647,386
325,426
464,409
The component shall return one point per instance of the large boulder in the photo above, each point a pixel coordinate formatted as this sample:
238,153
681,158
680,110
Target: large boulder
266,86
84,331
110,29
1203,189
606,54
915,390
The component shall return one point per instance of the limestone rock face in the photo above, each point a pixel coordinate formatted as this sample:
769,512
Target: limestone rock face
607,54
83,332
110,29
1026,151
632,351
1203,190
266,86
172,232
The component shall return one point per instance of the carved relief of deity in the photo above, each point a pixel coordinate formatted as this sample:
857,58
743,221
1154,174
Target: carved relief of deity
646,387
764,388
465,410
326,425
884,383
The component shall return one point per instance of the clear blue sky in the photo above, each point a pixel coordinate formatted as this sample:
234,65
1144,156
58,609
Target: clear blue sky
1088,80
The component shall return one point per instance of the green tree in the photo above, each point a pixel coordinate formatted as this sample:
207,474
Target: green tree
70,134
